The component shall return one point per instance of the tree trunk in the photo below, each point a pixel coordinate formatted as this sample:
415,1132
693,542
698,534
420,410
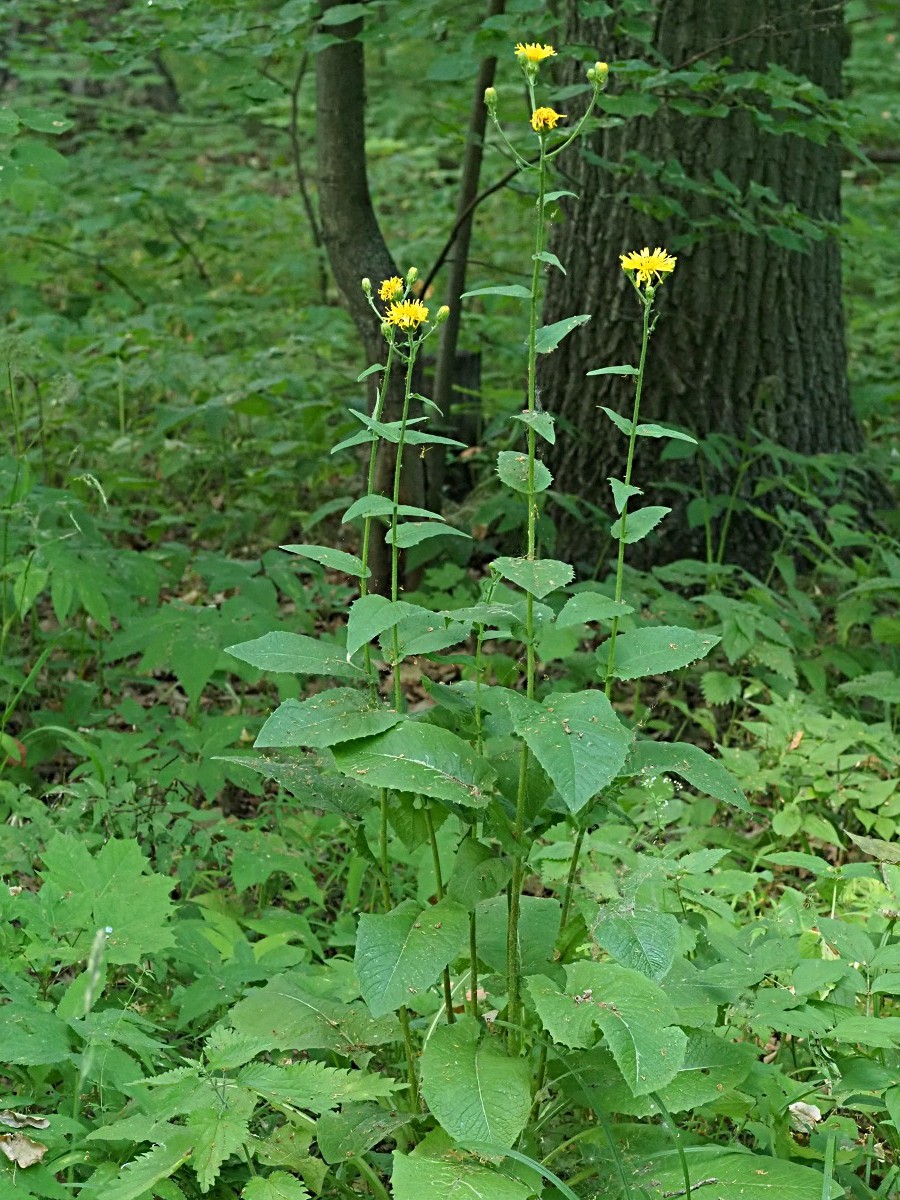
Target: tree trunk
751,334
353,240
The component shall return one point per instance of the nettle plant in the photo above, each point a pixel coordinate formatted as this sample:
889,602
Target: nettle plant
493,1007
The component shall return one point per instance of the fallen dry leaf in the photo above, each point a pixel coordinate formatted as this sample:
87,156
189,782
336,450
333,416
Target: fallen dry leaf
21,1150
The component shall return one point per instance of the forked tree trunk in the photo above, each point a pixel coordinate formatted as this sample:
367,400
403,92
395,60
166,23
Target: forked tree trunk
751,334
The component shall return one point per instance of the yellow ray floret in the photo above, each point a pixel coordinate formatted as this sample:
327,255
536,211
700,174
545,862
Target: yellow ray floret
391,288
543,119
647,266
407,314
533,52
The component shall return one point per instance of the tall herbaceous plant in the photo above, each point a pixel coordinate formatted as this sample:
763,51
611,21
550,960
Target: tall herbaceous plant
477,1000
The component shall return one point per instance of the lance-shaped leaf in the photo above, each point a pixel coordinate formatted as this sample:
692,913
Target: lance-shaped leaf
473,1088
381,506
515,291
634,1014
639,522
419,758
577,738
337,560
658,649
701,770
401,953
295,654
548,337
538,577
336,715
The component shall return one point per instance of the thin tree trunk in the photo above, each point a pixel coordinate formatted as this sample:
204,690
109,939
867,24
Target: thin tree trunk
751,335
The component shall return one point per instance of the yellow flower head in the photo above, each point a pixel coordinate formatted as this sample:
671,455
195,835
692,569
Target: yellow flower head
407,314
533,52
391,288
648,267
544,119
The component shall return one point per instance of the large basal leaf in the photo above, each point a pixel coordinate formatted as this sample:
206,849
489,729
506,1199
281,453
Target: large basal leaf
312,1086
295,654
336,715
539,578
473,1088
700,769
645,940
639,522
419,758
417,1178
401,953
512,467
336,560
277,1186
286,1014
738,1176
577,738
634,1014
356,1129
659,649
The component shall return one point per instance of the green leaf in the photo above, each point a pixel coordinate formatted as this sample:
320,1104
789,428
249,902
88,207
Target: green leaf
372,615
401,953
888,852
577,738
541,422
624,370
217,1135
644,940
416,1178
472,1086
738,1176
701,770
882,1033
411,533
719,688
279,1185
419,758
312,1086
137,1177
341,14
548,337
369,371
538,577
621,423
516,290
552,197
664,431
659,649
539,919
380,506
512,467
356,1129
294,653
634,1014
622,493
590,606
337,560
286,1014
425,634
551,259
478,874
639,522
336,715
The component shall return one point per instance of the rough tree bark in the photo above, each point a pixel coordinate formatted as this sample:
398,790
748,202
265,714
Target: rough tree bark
751,334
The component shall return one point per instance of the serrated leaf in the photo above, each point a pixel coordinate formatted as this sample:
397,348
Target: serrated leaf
515,290
295,654
590,606
217,1135
138,1176
720,688
356,1129
537,577
370,616
381,506
411,533
415,1178
477,875
622,493
701,770
336,715
425,634
541,422
401,953
226,1049
658,649
473,1088
577,738
548,337
277,1186
644,940
634,1014
419,758
336,560
623,370
639,522
512,467
312,1086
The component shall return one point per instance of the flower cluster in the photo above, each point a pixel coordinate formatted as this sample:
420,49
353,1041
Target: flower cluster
533,53
545,119
648,268
406,314
390,289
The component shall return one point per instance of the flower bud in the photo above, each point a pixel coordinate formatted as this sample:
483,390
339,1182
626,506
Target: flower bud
442,314
490,99
411,276
367,287
387,330
598,75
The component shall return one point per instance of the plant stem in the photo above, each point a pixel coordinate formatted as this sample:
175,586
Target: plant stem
439,891
647,300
